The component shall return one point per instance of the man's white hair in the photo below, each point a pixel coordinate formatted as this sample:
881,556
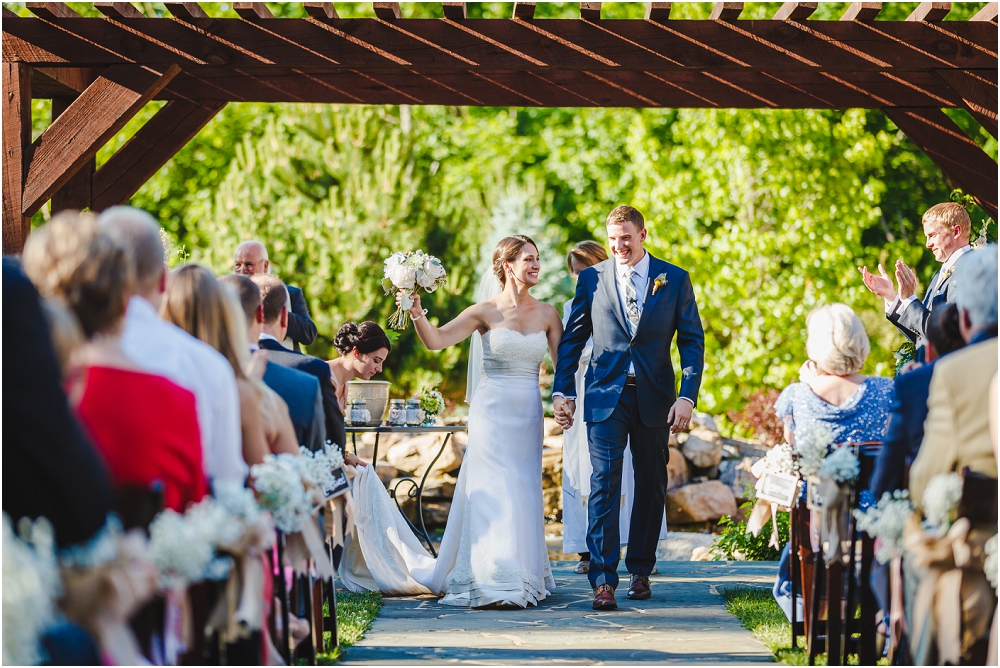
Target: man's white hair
837,341
976,286
253,244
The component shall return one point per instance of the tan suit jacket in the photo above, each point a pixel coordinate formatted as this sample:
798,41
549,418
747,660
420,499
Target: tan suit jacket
957,430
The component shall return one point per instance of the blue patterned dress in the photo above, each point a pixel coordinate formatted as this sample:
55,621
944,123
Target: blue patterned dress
861,418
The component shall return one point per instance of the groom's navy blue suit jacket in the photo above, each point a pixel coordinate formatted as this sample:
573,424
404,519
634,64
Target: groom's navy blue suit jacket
597,311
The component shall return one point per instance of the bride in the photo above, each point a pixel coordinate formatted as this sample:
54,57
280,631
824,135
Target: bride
493,550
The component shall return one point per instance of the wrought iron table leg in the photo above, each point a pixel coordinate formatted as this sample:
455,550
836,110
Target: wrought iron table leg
375,451
417,492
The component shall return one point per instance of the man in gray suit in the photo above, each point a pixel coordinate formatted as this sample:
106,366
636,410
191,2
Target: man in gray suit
947,227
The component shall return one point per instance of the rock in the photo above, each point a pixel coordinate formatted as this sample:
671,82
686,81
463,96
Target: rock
440,485
702,448
553,443
672,440
680,545
386,472
710,473
552,428
414,454
745,448
436,512
677,469
703,421
700,502
739,479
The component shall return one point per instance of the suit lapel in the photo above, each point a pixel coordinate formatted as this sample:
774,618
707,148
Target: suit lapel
607,283
650,299
932,288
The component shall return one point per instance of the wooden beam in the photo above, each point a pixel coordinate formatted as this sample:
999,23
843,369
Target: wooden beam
76,136
524,10
930,11
60,81
978,90
387,11
119,10
726,11
251,11
960,158
795,11
455,11
590,11
321,10
7,14
987,13
186,10
862,11
52,10
657,11
76,193
156,142
16,153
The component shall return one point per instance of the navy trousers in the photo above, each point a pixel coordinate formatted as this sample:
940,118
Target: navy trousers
649,455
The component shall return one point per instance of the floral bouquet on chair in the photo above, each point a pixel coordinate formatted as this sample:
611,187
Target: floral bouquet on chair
409,272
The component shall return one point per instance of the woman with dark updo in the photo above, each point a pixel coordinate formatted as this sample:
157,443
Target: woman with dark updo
363,348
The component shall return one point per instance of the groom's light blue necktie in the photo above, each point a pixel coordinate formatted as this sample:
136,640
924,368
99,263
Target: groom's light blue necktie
631,301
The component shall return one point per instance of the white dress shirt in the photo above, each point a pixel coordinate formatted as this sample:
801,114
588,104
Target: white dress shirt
163,348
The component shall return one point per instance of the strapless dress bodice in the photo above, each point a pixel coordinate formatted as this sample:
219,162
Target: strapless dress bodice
507,352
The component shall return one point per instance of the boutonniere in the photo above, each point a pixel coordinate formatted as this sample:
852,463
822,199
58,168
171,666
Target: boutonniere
659,282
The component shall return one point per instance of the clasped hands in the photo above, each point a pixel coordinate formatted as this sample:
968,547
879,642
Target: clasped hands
882,285
679,416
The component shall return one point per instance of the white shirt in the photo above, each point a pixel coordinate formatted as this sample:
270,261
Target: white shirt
163,348
945,266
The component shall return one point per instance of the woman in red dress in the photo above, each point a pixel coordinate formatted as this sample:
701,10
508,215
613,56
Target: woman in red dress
145,426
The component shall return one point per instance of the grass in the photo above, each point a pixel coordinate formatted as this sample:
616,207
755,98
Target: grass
759,613
355,614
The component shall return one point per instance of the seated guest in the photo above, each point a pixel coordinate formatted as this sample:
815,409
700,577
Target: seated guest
299,389
162,348
852,405
909,404
363,348
144,425
54,471
250,259
274,300
957,431
197,303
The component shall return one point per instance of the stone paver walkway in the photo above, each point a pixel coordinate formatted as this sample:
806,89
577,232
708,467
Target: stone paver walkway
685,622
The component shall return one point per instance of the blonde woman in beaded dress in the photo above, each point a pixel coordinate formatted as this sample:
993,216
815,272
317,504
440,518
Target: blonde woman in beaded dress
493,551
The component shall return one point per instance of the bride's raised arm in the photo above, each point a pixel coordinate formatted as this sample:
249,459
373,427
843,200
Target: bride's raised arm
456,331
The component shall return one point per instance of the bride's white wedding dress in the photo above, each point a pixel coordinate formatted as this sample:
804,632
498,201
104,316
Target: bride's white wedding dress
493,549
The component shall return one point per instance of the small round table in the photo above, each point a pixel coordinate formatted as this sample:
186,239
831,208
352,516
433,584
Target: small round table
416,490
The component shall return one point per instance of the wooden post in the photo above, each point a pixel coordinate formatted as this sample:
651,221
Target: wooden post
77,193
16,152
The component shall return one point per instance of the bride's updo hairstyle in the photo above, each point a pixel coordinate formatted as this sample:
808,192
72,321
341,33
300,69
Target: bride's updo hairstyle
507,250
366,336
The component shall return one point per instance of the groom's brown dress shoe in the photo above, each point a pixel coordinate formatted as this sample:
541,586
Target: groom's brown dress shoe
604,598
638,588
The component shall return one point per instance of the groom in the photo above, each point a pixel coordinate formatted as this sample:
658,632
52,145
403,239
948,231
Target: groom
632,305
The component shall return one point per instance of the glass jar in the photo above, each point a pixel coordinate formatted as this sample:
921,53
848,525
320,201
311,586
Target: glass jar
397,413
358,413
414,416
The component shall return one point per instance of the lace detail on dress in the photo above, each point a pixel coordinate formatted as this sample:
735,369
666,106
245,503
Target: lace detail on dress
510,345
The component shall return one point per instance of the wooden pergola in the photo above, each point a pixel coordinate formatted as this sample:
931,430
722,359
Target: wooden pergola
99,72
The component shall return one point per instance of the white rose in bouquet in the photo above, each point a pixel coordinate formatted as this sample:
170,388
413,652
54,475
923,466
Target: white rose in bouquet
406,273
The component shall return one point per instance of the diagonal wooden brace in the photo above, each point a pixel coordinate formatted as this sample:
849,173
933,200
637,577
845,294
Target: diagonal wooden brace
952,150
978,90
86,125
150,148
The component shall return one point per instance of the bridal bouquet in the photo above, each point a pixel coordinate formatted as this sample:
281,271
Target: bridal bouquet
410,272
885,521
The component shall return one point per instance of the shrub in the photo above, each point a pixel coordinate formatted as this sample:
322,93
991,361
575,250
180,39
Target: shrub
758,417
736,543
